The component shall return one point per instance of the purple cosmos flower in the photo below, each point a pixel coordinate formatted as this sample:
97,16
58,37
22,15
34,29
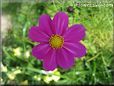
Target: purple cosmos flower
59,44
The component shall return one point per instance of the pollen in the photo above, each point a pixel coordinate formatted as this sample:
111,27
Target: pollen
56,41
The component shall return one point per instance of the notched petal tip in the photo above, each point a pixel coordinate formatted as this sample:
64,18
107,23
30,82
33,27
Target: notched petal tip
60,22
31,32
45,23
61,13
44,16
48,69
49,62
82,52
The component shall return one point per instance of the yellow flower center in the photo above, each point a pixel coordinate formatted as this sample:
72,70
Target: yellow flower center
56,41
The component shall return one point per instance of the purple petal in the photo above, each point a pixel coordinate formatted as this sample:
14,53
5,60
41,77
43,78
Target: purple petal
45,23
49,63
76,49
35,34
75,33
40,51
60,22
64,59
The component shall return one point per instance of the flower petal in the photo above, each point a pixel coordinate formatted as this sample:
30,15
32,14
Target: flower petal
64,59
60,22
75,33
40,51
77,49
35,34
49,62
45,23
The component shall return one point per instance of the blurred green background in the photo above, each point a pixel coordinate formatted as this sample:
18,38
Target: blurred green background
19,67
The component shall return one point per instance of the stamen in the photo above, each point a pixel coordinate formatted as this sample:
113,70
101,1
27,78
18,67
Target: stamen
56,41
